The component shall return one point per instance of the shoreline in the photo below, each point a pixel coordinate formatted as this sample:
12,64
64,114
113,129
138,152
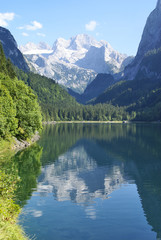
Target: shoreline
100,122
55,122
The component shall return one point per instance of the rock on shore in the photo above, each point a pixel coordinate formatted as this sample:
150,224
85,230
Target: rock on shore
20,144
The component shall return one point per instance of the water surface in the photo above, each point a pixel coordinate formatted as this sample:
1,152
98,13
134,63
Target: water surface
94,181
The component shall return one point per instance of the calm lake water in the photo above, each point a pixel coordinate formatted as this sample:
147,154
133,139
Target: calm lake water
92,182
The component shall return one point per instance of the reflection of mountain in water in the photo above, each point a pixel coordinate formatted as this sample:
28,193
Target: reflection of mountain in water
75,176
100,159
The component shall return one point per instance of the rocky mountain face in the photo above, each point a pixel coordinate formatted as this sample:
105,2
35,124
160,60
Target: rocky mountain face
74,63
11,49
151,40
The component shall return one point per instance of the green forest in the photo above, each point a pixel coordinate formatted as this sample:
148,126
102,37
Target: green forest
20,114
58,105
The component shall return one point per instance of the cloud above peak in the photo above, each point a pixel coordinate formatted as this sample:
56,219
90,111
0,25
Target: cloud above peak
25,34
33,26
5,17
91,26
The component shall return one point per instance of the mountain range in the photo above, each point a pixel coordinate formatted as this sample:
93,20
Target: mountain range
74,63
93,72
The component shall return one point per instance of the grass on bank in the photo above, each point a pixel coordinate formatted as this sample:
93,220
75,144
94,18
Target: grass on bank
11,232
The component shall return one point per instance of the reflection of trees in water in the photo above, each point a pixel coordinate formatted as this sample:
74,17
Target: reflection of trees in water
57,139
133,149
27,164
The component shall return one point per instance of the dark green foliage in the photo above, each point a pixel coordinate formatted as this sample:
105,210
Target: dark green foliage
125,93
20,113
99,112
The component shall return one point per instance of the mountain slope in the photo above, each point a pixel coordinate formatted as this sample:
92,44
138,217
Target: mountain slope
150,66
131,93
11,49
143,94
98,85
151,39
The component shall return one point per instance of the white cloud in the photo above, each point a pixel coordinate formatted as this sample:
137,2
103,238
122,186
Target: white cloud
25,34
5,17
91,26
41,34
33,26
37,214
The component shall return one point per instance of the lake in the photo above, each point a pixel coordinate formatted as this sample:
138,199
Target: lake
92,182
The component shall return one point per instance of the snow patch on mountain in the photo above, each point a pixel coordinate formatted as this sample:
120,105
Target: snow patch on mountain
32,48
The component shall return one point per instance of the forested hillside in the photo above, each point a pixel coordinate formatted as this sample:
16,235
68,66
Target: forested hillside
20,114
58,105
142,95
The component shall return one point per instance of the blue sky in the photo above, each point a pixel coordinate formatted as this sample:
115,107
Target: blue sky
120,22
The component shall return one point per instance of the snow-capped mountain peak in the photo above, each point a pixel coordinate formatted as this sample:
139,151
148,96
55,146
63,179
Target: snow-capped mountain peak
68,59
82,41
60,43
